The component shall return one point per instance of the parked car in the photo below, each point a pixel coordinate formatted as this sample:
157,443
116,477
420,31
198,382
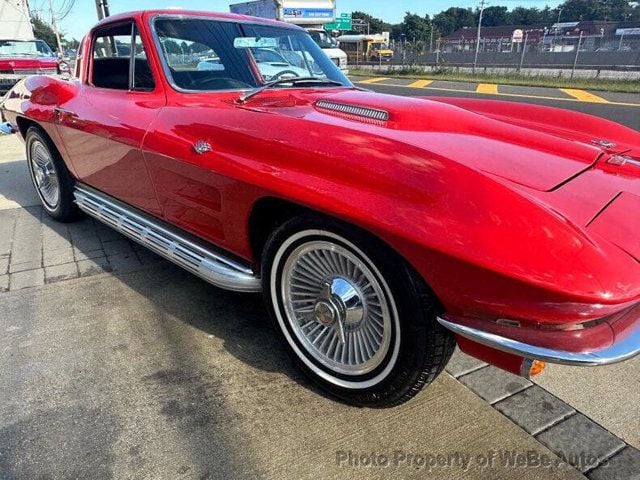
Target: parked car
380,229
19,58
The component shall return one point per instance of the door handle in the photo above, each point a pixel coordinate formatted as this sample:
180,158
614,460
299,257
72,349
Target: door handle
61,113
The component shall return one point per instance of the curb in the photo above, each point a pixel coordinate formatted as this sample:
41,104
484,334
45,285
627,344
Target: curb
587,446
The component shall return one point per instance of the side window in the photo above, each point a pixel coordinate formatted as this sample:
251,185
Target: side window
142,76
119,59
111,57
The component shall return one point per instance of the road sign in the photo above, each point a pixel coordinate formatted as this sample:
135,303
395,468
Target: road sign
343,22
517,36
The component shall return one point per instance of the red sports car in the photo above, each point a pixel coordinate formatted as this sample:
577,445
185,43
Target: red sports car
380,229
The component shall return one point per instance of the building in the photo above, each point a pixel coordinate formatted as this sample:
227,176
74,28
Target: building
15,23
558,37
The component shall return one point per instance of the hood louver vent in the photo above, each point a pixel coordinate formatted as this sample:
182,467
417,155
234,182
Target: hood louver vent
355,112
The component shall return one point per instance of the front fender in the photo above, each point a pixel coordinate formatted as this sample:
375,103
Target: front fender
561,122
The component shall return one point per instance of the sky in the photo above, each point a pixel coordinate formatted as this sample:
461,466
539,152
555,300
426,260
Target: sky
83,14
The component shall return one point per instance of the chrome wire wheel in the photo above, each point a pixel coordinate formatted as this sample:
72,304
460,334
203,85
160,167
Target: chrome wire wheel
44,174
336,310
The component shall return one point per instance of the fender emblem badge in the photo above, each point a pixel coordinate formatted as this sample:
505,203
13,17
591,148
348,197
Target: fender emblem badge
603,143
201,147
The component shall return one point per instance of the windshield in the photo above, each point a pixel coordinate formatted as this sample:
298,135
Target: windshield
36,48
380,46
322,39
202,54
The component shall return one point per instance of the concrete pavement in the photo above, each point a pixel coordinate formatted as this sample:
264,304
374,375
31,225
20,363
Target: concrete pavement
15,185
156,374
609,395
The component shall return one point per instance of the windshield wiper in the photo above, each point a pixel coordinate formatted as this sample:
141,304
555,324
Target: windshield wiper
251,93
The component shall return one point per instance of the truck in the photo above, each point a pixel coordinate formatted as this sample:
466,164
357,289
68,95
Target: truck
366,48
312,15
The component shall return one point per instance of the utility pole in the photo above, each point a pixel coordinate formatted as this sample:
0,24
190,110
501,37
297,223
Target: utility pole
102,8
621,39
431,39
524,49
575,60
55,27
475,60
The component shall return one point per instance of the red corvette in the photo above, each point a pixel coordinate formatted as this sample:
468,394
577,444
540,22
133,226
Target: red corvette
380,229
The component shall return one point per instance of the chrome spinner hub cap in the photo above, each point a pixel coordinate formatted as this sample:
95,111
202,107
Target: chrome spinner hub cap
44,174
337,308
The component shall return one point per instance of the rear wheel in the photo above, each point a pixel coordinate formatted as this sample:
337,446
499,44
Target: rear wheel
50,177
353,315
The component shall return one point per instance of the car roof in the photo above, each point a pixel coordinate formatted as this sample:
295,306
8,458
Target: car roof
143,15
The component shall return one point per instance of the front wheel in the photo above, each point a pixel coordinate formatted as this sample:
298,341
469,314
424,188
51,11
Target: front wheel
50,177
353,315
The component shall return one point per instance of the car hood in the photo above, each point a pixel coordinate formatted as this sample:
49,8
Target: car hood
525,154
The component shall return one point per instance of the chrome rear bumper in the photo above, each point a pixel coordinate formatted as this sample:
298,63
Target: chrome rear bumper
621,350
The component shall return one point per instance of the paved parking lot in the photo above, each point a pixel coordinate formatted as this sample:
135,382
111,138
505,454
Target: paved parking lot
621,107
116,364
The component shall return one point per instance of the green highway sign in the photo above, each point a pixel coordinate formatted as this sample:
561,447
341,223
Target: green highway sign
343,22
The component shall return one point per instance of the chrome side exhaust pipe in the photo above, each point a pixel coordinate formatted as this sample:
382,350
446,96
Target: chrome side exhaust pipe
175,246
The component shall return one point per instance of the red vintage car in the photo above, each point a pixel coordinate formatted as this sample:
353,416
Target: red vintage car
20,58
381,229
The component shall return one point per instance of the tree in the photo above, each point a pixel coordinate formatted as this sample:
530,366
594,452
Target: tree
597,10
171,46
549,15
43,31
495,16
416,27
524,16
444,23
453,19
375,24
397,31
71,44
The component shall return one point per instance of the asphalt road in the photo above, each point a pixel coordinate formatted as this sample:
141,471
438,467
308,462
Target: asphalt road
628,115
